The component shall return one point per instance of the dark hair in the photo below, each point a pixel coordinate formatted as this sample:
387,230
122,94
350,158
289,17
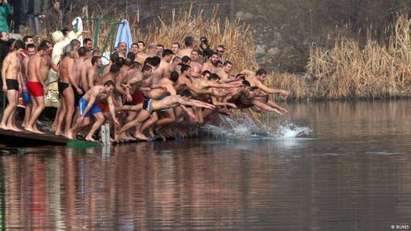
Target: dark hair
174,76
134,44
86,40
75,42
114,68
130,58
153,61
227,62
95,59
167,52
221,46
160,45
121,61
141,42
261,71
18,44
204,40
65,31
30,46
185,59
27,37
188,41
114,57
184,67
43,46
206,72
82,51
246,83
213,76
109,83
146,68
177,43
186,93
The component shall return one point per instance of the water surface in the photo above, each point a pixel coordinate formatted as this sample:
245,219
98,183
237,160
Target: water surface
353,172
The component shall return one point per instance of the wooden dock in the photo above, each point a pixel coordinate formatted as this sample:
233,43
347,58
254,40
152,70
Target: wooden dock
25,138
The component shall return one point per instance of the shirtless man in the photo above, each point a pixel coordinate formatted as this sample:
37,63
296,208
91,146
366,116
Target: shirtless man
122,49
85,66
160,49
37,73
12,80
91,77
111,75
152,50
175,47
196,64
212,64
189,46
164,69
262,99
30,50
225,72
88,107
88,43
149,106
67,85
141,56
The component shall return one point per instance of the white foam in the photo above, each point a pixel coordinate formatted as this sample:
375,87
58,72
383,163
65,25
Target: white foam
247,128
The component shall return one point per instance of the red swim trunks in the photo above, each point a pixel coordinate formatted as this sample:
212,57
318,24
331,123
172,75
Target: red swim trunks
35,89
104,106
138,97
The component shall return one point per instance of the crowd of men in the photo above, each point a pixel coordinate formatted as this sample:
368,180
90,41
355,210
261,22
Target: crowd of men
141,92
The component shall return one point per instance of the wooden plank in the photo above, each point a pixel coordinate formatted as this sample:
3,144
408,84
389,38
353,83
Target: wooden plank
17,137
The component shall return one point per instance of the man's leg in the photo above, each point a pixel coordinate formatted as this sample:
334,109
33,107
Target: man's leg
9,109
72,133
69,103
99,121
36,113
61,112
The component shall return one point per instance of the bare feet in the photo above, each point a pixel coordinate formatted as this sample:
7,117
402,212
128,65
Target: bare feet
16,129
89,138
141,136
70,135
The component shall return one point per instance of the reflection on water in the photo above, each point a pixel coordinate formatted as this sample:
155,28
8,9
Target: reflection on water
354,173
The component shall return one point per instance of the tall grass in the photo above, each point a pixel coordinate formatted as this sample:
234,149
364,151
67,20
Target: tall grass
350,71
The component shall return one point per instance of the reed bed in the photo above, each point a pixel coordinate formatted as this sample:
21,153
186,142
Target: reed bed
351,71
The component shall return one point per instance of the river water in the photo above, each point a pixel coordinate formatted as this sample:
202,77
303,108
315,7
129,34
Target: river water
351,172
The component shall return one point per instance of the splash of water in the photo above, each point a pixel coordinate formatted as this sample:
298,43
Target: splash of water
245,128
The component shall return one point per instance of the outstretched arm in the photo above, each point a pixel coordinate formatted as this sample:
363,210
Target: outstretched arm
196,103
268,90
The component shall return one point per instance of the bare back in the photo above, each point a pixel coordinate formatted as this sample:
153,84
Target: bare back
34,66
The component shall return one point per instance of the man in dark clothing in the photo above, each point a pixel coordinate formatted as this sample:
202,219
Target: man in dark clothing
4,50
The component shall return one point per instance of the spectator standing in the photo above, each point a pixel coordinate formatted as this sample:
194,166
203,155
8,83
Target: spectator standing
5,12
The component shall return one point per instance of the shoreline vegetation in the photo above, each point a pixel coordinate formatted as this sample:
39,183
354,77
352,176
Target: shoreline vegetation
348,70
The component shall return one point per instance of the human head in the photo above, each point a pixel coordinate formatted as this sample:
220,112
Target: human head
189,41
57,36
167,55
174,76
82,52
109,86
227,66
153,61
213,77
175,47
122,47
130,59
195,55
31,49
220,50
134,48
96,52
206,74
88,43
69,51
214,59
186,60
160,49
28,39
96,61
17,45
75,44
152,49
42,48
185,69
147,70
141,46
261,74
114,68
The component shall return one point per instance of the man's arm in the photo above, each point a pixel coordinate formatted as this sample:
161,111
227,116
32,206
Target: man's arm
112,109
268,90
90,78
70,75
6,64
90,103
195,103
